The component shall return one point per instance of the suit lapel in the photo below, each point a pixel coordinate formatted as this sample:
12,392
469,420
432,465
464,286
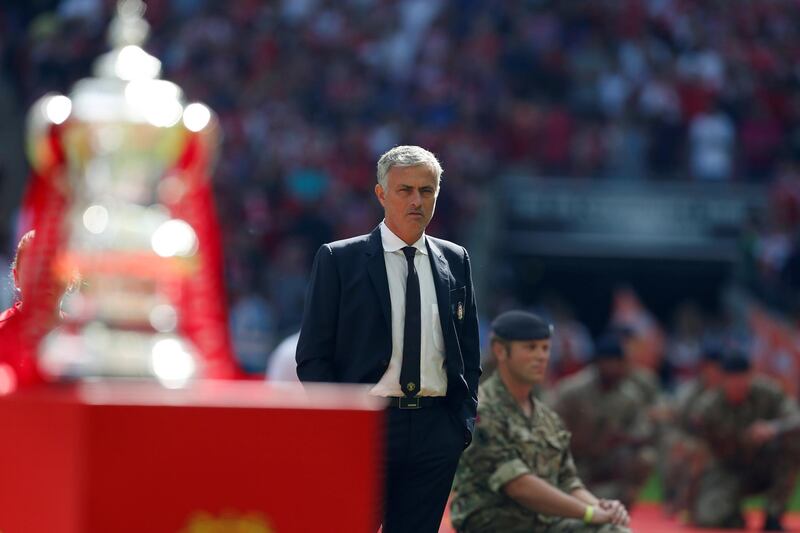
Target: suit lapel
441,280
376,266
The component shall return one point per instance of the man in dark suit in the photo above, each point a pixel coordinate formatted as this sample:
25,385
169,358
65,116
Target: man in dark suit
396,308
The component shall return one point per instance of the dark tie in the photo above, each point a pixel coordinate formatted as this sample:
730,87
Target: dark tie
409,372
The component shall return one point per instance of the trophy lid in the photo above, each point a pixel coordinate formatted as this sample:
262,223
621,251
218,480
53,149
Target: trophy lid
127,33
126,85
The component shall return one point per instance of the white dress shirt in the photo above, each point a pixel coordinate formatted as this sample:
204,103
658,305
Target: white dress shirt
432,370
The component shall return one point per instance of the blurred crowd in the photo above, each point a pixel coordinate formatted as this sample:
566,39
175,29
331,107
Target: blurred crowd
310,92
770,243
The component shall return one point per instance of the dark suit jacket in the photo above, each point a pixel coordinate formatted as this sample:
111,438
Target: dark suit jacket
346,335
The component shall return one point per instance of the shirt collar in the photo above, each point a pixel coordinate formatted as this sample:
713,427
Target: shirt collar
503,393
393,243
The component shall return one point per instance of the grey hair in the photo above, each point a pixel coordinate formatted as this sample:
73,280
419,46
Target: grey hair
408,156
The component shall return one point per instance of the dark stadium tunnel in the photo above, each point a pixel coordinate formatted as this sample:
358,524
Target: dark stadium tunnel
588,283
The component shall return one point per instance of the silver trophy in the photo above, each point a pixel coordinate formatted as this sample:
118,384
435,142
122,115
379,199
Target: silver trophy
124,134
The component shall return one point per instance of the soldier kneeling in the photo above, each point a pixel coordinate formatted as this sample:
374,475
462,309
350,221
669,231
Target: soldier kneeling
750,426
518,475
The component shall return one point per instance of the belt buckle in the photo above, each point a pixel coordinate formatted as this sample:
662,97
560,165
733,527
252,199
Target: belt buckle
408,403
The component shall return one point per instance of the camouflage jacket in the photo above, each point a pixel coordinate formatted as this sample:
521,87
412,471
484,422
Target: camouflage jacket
646,382
508,444
723,425
685,403
601,420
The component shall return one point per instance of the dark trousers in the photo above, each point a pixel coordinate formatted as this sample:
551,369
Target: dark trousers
422,451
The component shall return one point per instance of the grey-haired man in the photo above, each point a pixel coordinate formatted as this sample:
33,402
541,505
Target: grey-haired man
395,308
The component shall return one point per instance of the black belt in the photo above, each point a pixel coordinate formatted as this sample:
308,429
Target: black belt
415,403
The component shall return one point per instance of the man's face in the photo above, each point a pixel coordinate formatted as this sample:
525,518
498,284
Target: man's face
612,370
711,374
20,270
49,287
736,387
526,361
408,200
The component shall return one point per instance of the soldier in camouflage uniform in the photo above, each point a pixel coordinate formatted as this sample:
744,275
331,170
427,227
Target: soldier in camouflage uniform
743,425
685,455
612,436
518,475
643,378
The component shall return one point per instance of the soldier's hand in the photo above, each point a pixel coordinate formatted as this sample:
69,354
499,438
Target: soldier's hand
661,413
761,431
619,515
601,516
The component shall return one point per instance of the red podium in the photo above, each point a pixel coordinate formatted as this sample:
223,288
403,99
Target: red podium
218,457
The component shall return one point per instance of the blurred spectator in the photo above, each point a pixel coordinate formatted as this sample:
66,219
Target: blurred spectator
775,348
644,338
685,346
23,325
761,140
711,136
252,331
571,344
282,364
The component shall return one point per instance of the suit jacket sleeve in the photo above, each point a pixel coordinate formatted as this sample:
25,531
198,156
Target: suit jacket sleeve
316,345
470,351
